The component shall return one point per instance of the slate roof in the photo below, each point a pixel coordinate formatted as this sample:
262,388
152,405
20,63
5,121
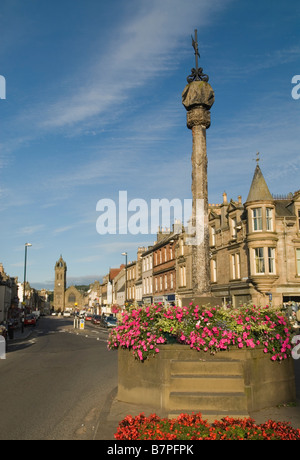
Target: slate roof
259,190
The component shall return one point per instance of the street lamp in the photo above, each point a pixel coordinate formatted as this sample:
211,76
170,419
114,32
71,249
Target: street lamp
25,266
125,254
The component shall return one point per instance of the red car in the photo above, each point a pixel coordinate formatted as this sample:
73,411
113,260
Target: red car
96,319
88,317
30,320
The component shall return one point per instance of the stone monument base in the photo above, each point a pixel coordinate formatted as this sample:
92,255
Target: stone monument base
229,383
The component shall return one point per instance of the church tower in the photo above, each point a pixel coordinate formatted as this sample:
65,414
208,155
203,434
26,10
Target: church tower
60,284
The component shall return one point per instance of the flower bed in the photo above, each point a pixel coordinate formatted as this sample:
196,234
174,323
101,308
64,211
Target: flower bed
144,329
193,427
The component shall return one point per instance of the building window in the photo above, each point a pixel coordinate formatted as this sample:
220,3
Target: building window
182,276
171,253
238,266
269,213
235,266
271,260
213,236
233,227
214,271
166,282
160,283
156,285
259,260
298,220
172,281
298,261
181,248
264,260
257,219
71,298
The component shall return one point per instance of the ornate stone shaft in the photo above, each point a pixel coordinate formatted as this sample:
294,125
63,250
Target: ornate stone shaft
197,98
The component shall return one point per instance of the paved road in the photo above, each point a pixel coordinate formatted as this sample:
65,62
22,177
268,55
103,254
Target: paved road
55,384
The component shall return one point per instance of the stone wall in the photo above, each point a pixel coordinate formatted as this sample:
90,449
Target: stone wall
231,383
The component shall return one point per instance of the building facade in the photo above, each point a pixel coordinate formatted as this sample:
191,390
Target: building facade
255,247
147,275
164,268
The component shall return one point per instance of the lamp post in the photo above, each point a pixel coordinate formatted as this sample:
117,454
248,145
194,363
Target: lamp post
125,254
25,267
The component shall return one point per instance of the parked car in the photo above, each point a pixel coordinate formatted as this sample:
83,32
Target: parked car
108,321
67,314
29,320
96,319
88,317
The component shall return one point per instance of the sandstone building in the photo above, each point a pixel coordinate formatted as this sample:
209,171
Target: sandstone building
255,247
60,283
63,297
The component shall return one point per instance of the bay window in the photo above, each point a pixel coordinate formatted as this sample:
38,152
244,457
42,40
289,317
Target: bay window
257,219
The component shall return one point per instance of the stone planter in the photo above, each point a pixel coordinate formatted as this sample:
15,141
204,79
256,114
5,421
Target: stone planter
179,379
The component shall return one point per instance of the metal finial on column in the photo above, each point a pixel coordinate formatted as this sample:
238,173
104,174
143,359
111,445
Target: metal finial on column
197,73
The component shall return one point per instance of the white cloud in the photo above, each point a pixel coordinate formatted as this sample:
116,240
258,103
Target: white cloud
144,47
31,229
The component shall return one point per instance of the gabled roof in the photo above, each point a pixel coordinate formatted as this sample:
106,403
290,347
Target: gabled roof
113,272
259,190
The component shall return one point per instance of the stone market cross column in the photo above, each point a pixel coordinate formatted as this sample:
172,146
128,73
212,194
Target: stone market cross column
197,98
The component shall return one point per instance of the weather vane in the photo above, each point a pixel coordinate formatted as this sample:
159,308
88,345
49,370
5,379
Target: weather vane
257,159
197,73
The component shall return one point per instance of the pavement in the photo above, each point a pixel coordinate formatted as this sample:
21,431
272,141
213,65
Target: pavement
19,335
114,411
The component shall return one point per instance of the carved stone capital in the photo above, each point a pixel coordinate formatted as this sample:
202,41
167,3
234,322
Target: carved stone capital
198,116
198,93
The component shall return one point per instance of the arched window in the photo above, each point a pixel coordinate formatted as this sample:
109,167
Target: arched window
71,298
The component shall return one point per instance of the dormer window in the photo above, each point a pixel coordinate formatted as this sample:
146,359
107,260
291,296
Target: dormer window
233,227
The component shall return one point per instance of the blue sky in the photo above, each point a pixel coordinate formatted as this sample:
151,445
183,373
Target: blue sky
93,107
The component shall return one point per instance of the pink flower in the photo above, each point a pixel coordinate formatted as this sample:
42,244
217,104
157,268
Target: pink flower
140,355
